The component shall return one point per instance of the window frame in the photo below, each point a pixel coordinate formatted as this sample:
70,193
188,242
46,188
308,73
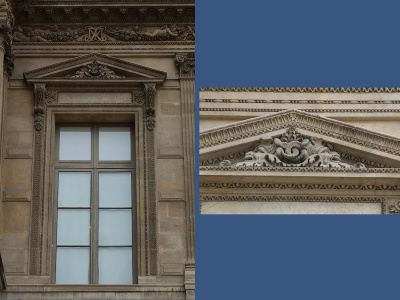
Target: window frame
94,166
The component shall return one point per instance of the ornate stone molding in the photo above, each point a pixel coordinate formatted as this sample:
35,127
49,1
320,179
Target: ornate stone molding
303,169
133,73
35,265
306,90
292,149
310,110
302,120
150,91
62,34
186,64
104,12
298,186
297,101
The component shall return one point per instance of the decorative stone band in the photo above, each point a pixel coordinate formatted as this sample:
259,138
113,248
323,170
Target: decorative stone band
103,34
292,150
321,125
298,186
306,90
303,169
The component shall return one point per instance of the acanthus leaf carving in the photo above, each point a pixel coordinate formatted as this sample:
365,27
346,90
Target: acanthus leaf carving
292,149
186,64
150,91
95,70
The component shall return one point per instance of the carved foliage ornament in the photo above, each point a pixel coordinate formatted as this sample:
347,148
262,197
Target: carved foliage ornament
292,149
186,64
57,33
95,70
394,208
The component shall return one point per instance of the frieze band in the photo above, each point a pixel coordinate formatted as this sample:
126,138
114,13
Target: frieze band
58,33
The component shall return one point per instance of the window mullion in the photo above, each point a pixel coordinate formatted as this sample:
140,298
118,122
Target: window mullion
95,228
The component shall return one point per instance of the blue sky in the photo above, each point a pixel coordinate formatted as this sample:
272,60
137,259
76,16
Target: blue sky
287,43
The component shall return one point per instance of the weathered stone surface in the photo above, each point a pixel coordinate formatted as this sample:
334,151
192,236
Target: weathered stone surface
70,71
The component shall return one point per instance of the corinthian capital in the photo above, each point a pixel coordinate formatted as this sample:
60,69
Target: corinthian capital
185,62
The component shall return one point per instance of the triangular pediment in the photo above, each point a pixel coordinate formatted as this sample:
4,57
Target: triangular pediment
351,145
95,68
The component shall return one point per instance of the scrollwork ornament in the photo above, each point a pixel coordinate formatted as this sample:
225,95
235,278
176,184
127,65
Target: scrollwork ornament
186,64
150,91
95,70
39,121
139,97
292,149
150,119
394,208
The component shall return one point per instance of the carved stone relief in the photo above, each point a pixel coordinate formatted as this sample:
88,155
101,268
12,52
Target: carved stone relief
58,33
394,207
95,70
292,149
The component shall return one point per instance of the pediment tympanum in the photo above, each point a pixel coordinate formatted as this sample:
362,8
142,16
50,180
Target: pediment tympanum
95,68
297,139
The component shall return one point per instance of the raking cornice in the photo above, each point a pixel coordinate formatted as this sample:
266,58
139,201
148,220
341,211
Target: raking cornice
302,120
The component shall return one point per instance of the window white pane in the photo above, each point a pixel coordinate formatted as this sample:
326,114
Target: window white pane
115,265
74,189
75,143
115,189
73,227
72,265
115,227
114,143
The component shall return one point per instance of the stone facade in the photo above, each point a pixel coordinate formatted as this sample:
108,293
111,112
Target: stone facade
299,151
98,61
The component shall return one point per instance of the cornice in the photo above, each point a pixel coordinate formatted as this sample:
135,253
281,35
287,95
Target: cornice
104,11
264,170
52,70
297,186
301,120
307,90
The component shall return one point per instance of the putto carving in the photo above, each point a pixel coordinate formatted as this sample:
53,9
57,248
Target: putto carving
292,149
57,33
95,70
394,207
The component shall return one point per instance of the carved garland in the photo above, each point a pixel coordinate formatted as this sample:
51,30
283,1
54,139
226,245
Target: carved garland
103,34
43,97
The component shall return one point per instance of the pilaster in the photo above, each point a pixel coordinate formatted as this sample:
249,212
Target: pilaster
186,66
